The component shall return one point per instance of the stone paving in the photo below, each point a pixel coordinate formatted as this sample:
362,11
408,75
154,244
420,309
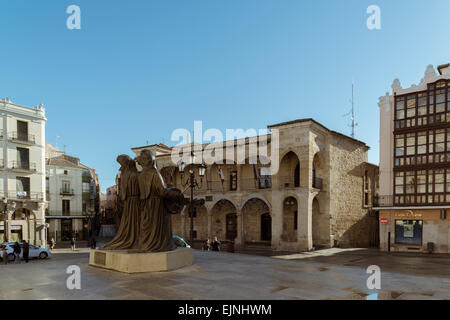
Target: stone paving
219,275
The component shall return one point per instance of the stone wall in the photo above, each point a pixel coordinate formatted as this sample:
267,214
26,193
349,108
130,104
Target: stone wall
347,210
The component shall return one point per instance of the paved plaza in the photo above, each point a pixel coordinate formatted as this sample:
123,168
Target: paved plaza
326,274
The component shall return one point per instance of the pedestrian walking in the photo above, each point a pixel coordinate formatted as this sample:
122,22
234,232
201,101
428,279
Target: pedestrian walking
17,251
93,243
25,250
52,243
5,255
206,245
72,243
215,245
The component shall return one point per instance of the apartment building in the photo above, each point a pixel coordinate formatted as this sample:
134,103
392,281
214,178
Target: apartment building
321,196
414,197
22,179
73,196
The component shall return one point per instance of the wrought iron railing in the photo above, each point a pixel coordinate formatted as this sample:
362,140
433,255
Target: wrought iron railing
66,191
22,137
22,165
26,195
317,183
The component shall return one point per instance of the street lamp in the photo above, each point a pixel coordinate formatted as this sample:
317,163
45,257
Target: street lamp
193,184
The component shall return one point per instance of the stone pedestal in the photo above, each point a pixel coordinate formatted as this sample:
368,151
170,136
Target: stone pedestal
131,262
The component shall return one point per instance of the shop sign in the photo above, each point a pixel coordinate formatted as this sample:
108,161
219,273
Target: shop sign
408,214
383,220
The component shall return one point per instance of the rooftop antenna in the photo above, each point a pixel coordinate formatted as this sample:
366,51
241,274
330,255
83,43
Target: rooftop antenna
65,148
352,112
57,137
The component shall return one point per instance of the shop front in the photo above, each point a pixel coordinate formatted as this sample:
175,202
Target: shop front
415,230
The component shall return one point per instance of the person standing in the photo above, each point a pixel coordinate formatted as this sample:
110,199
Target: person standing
215,245
52,243
72,243
206,245
17,251
25,250
5,255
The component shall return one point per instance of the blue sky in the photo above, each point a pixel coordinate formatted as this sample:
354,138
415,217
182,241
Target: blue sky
139,69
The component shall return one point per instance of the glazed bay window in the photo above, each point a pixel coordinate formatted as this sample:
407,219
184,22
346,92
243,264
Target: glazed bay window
411,111
421,179
399,188
410,187
422,187
400,113
399,149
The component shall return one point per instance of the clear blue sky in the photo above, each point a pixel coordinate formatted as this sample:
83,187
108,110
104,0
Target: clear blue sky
139,69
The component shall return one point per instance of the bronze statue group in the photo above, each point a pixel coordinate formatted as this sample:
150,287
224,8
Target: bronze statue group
145,225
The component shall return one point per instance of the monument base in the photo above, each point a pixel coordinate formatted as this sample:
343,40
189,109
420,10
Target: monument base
131,262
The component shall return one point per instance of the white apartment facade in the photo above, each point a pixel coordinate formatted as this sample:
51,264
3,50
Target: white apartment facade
22,178
414,203
71,192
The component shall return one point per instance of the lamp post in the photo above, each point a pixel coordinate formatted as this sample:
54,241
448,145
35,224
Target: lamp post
192,183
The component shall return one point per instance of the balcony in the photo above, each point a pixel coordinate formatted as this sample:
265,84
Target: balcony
26,195
18,137
252,184
317,183
288,182
22,166
66,192
383,201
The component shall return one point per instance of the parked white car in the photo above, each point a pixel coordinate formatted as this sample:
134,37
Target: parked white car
34,251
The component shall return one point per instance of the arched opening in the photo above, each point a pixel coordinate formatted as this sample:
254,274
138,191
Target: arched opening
231,228
297,175
257,228
266,227
320,227
289,171
290,220
317,172
223,221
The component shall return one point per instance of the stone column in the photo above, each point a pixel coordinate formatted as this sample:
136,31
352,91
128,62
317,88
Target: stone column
210,217
277,218
239,242
304,218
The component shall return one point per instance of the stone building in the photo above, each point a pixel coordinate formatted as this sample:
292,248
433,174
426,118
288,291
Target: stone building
415,164
22,178
320,197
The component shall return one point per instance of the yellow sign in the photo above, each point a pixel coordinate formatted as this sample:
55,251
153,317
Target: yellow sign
408,214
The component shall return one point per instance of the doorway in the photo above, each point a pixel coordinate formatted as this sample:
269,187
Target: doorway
66,229
231,229
266,227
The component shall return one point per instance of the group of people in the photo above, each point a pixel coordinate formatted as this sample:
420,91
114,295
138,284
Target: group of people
211,246
17,249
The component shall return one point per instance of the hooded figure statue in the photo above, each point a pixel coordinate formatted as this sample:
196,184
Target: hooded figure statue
127,235
155,220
